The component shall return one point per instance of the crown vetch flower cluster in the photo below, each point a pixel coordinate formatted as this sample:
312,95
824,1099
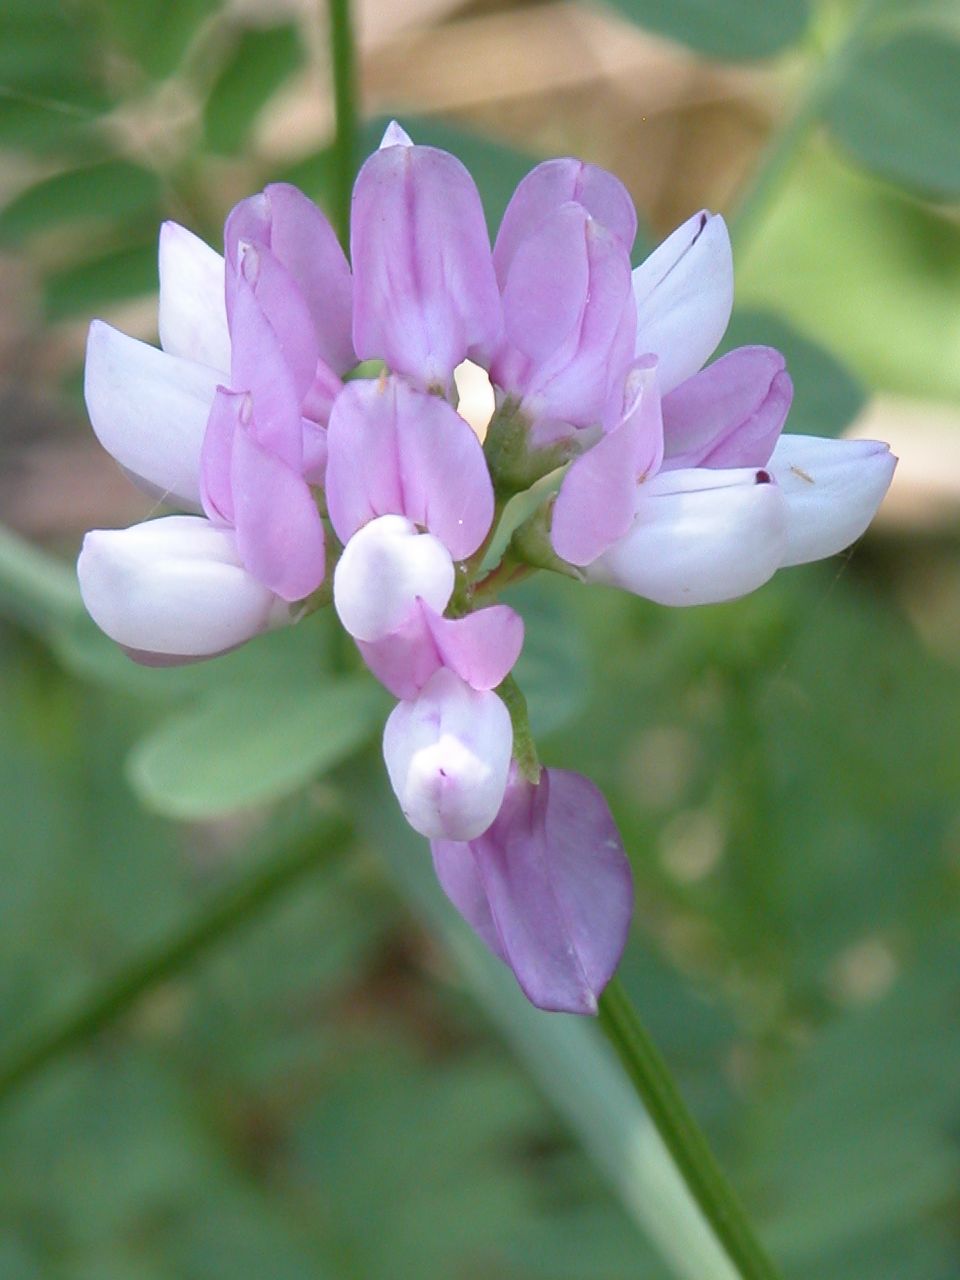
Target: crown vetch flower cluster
306,481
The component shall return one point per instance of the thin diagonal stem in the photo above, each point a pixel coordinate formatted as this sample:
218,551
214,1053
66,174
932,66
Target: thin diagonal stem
681,1135
343,58
272,875
785,145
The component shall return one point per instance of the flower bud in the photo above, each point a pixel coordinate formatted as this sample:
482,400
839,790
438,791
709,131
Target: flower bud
546,188
425,295
547,887
448,756
569,320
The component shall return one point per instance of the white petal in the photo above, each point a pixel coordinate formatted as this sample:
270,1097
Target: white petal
448,756
699,537
395,136
385,567
149,409
832,490
193,313
173,586
684,296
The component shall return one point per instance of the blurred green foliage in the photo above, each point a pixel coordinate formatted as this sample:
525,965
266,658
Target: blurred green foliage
322,1096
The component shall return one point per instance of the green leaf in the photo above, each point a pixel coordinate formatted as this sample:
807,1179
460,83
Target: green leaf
155,33
251,744
88,286
827,397
873,275
897,108
735,29
261,62
111,190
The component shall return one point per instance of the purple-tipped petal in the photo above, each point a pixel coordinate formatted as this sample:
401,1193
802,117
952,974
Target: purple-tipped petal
684,296
425,294
729,414
149,409
283,220
174,587
598,497
699,537
448,756
569,319
385,568
551,184
398,451
557,892
193,317
278,527
832,489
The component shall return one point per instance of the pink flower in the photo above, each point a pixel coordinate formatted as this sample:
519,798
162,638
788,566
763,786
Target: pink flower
253,419
547,887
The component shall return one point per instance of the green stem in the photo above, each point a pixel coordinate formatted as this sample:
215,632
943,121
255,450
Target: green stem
681,1135
784,147
343,58
300,853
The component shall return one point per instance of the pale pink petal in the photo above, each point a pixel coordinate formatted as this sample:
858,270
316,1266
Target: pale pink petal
832,489
193,315
425,294
684,296
699,537
385,568
174,587
551,184
282,219
569,332
149,409
598,498
729,414
396,450
278,527
448,755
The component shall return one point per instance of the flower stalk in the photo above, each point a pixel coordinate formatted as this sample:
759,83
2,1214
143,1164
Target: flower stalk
651,1078
346,151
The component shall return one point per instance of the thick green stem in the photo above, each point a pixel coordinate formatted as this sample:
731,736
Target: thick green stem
785,145
271,876
343,58
681,1135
